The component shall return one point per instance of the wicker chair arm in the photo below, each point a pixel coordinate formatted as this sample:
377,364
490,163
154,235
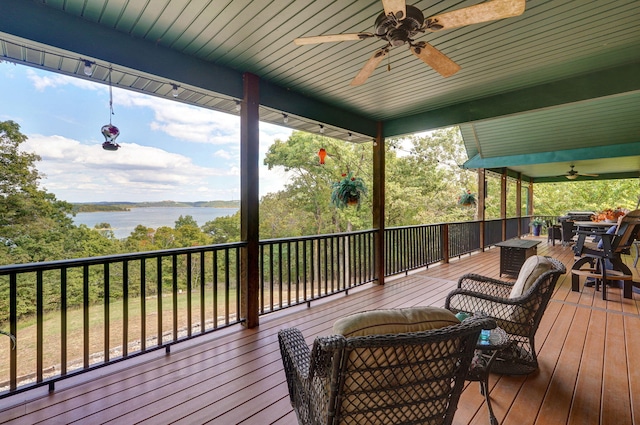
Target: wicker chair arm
295,352
485,285
472,302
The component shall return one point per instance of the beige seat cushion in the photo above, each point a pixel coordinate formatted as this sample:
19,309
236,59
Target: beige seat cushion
531,270
392,321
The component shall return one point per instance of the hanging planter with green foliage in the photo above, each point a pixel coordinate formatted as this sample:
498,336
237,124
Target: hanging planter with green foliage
467,199
348,191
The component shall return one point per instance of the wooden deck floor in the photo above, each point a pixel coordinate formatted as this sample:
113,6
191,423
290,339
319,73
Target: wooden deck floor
586,351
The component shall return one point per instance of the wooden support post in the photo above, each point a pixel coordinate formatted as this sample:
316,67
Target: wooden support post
444,240
249,201
378,203
503,202
519,203
482,195
530,200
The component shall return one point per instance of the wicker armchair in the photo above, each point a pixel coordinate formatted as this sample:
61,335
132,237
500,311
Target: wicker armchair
403,378
518,314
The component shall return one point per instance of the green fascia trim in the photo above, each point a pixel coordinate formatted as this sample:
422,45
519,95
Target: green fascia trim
33,21
511,173
284,100
607,82
611,151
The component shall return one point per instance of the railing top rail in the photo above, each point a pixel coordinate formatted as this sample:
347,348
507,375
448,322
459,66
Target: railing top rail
312,237
77,262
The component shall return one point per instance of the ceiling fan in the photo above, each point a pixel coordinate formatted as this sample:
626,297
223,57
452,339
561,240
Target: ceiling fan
400,23
573,174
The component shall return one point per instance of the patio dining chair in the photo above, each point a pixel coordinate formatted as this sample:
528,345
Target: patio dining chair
554,231
604,262
395,366
517,307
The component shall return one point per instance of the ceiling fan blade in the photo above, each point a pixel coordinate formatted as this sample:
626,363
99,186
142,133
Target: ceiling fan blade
483,12
370,66
435,59
397,8
588,175
332,38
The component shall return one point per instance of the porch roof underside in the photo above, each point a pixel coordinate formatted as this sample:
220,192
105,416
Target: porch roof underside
555,86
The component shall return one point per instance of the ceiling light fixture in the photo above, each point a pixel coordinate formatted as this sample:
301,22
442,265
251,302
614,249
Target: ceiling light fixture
238,107
350,136
285,118
321,129
175,90
88,68
571,176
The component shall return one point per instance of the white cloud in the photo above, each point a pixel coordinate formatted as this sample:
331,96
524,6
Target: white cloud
41,82
184,122
76,171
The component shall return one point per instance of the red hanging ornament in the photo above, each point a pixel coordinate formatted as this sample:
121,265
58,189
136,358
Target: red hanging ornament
322,154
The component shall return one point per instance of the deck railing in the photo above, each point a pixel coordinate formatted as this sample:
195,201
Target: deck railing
299,270
76,315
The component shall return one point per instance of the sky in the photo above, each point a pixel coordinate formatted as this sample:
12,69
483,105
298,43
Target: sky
169,150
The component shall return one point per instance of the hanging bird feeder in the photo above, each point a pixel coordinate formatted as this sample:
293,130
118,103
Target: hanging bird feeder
110,131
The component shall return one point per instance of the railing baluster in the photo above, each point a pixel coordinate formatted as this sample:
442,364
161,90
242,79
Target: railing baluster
189,299
215,289
106,312
202,293
39,326
125,308
159,301
174,295
63,321
13,329
227,288
85,315
143,305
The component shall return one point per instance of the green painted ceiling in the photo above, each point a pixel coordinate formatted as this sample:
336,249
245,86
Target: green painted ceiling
535,93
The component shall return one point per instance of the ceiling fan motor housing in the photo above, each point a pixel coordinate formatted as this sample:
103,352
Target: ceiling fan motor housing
399,32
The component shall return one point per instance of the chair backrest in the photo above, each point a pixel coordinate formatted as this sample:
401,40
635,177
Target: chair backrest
626,232
568,230
523,317
402,378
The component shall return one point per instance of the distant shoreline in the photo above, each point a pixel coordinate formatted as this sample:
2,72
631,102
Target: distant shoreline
87,207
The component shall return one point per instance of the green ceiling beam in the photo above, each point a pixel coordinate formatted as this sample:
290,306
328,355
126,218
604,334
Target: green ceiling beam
568,155
607,82
33,21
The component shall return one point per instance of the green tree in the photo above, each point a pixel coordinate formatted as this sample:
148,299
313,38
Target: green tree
308,190
33,223
223,229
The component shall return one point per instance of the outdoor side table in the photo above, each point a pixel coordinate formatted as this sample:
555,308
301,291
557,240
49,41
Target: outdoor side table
513,254
486,351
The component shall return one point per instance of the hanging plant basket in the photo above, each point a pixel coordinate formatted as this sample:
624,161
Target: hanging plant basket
348,191
467,199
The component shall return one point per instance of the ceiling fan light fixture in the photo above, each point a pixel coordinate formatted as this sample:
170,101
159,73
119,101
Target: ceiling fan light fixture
571,176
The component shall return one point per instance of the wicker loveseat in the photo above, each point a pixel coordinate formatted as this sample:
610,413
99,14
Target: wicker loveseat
517,308
378,377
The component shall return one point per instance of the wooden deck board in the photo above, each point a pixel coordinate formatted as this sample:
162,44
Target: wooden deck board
586,352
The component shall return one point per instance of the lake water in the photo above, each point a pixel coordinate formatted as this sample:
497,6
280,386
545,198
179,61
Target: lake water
123,222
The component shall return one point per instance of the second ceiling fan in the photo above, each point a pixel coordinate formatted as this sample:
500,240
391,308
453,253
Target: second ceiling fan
400,23
573,174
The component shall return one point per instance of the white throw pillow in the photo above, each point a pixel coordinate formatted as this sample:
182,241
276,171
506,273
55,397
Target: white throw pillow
531,270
